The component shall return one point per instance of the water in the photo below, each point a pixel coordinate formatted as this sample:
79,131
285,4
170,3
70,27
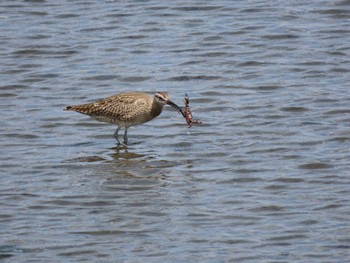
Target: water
265,178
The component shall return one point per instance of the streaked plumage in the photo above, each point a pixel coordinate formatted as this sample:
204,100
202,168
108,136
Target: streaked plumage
126,109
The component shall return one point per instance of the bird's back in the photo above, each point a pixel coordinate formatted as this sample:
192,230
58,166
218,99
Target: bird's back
125,109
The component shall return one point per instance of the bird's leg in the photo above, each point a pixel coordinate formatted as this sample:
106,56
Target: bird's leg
126,136
116,135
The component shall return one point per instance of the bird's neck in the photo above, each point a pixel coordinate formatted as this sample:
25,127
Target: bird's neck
156,109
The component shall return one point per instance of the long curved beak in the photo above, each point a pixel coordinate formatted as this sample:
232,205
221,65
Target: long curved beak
172,104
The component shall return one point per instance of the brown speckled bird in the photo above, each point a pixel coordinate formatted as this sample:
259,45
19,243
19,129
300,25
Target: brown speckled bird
126,109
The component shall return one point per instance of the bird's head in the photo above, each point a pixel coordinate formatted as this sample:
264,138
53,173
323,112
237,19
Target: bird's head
164,98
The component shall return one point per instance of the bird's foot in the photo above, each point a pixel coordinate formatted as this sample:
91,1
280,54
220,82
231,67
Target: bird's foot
122,145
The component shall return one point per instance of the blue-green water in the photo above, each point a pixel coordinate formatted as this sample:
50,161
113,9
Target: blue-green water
265,178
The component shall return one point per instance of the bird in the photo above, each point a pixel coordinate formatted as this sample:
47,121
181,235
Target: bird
126,110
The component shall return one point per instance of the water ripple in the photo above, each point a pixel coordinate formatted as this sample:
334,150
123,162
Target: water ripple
264,178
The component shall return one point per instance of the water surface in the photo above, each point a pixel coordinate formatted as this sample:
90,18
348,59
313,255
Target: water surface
265,178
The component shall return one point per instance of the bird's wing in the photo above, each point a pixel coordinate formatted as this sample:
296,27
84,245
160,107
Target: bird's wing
122,106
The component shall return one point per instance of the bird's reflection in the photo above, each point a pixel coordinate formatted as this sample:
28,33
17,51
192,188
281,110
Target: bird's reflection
124,152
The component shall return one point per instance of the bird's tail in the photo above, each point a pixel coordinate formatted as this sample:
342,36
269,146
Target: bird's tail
84,108
68,108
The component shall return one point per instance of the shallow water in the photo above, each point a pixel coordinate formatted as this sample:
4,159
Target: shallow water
265,178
